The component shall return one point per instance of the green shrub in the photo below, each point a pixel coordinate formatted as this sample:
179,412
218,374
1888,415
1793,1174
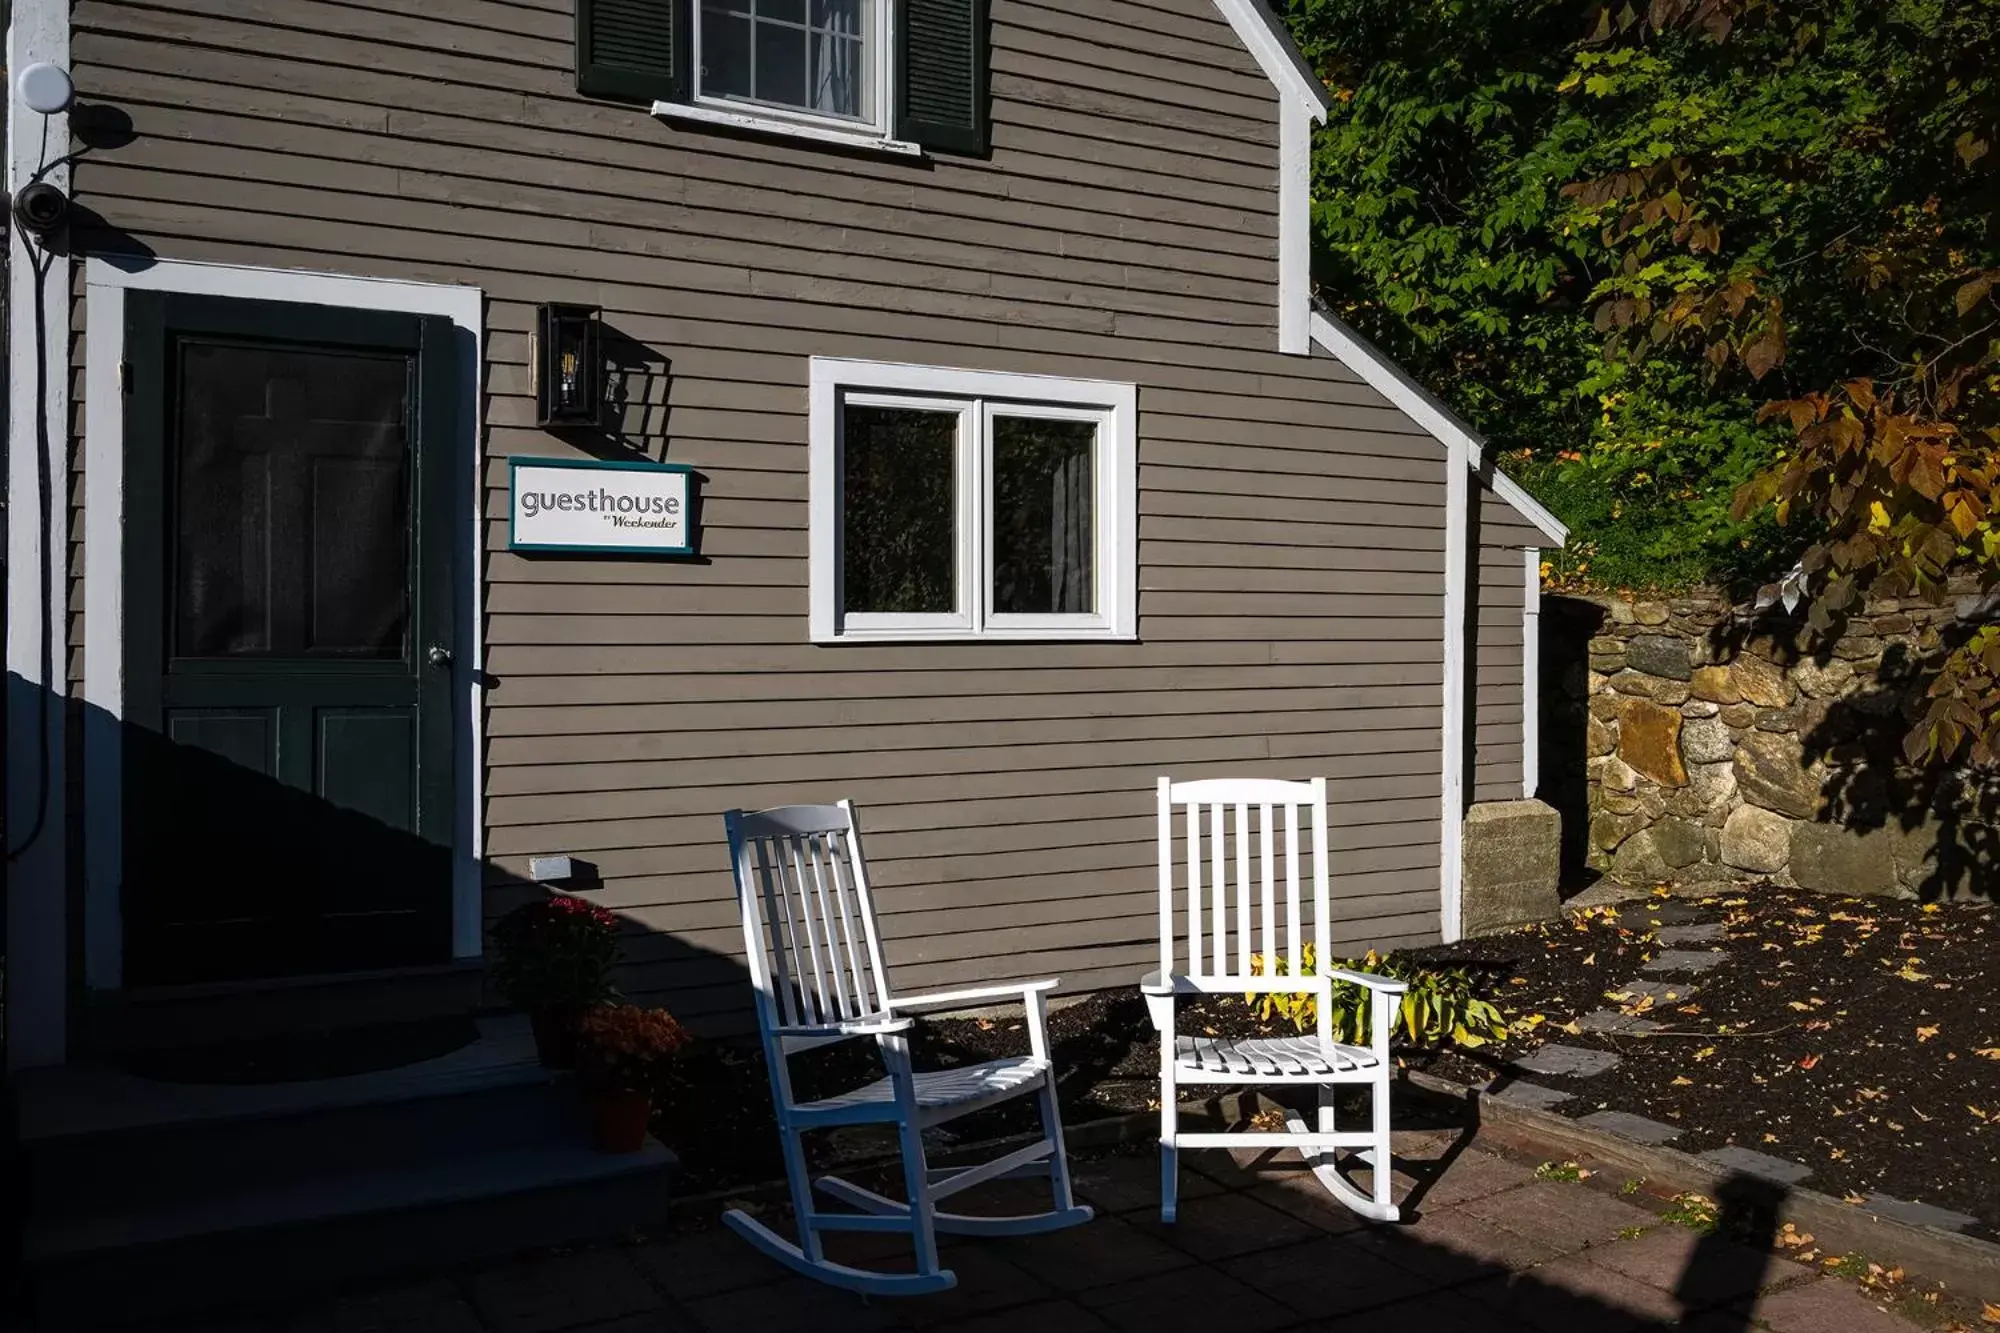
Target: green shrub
1439,1006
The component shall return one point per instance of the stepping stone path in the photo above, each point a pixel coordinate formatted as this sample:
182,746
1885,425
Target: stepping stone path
1917,1214
1570,1061
1670,913
1708,932
1685,960
1662,992
1614,1023
1628,1126
1519,1092
1761,1165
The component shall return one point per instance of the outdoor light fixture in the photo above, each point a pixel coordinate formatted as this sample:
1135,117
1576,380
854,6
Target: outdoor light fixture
569,364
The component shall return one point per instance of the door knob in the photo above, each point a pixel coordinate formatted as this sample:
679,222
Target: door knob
439,655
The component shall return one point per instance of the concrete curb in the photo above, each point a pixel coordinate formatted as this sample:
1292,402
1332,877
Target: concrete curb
1960,1262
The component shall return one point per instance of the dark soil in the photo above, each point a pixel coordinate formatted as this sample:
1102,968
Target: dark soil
1843,1033
1858,1036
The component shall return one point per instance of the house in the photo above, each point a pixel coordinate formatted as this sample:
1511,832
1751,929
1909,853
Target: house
1008,465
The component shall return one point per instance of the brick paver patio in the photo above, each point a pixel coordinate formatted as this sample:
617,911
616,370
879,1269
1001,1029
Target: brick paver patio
1259,1248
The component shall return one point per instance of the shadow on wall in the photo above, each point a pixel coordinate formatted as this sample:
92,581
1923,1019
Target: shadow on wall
1568,624
1932,828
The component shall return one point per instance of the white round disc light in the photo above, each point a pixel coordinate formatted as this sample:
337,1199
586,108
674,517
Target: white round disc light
45,88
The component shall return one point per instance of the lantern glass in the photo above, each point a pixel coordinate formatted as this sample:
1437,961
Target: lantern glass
570,365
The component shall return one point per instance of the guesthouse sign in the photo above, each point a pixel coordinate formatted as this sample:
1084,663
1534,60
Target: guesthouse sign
560,504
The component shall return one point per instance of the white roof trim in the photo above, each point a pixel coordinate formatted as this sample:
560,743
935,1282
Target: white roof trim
1419,405
1263,34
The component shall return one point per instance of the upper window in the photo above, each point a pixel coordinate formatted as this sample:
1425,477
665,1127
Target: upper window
818,60
965,504
903,76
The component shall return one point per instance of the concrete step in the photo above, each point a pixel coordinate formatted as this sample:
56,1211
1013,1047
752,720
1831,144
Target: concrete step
150,1198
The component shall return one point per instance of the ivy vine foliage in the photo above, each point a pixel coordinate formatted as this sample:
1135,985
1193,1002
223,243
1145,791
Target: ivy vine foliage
1719,278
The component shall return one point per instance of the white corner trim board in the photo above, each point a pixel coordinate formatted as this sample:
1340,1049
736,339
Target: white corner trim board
105,286
1419,405
1457,613
38,306
1302,103
1531,674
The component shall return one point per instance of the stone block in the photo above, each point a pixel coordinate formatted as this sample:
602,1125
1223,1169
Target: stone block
1659,655
1650,613
1756,839
1703,932
1823,681
1567,1061
1771,772
1652,988
1520,1092
1634,683
1639,860
1628,1126
1918,1214
1685,960
1699,708
1598,738
1713,784
1512,861
1706,740
1617,775
1760,682
1617,1021
1833,859
1679,842
1715,684
1738,716
1763,1166
1607,830
1649,740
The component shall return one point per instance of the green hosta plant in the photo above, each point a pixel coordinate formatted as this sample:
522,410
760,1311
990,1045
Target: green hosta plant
1438,1007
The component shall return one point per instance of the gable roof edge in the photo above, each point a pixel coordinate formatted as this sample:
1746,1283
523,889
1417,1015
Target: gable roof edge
1264,35
1423,407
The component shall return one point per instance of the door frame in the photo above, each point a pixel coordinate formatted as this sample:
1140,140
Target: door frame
105,285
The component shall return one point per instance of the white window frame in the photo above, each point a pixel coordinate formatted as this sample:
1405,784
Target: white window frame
977,396
874,132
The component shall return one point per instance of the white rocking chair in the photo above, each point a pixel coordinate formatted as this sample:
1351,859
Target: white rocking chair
1218,962
816,963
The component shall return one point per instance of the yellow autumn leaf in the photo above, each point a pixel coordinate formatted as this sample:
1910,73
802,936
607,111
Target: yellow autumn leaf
1878,517
1991,1314
1990,1052
1925,1034
1682,1082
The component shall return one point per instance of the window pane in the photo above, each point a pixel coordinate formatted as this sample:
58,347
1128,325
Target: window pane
838,83
781,64
1044,524
291,502
899,530
725,53
784,11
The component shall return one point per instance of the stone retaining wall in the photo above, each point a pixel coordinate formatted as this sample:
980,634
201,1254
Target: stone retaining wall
1717,744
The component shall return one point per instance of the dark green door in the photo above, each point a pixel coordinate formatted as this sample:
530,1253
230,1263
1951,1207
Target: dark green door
288,639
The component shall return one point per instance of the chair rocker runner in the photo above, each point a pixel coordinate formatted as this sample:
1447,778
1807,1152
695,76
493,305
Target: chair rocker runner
1218,960
815,961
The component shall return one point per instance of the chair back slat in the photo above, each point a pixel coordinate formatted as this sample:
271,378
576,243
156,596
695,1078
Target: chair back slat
808,919
1229,922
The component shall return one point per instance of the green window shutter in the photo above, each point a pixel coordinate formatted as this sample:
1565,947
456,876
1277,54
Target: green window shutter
941,64
633,50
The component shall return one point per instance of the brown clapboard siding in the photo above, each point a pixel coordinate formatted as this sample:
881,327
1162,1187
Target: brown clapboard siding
1124,227
1498,596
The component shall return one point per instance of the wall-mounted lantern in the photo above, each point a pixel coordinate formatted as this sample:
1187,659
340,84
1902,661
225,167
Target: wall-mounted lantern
569,364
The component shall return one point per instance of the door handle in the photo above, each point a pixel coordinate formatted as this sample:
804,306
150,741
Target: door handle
439,655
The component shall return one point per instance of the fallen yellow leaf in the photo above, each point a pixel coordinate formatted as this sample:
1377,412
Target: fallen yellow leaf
1925,1034
1991,1314
1680,1082
1990,1052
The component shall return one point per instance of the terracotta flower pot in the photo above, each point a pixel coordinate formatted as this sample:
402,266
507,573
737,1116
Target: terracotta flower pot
618,1120
555,1036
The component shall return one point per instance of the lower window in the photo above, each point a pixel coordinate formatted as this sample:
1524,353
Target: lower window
963,504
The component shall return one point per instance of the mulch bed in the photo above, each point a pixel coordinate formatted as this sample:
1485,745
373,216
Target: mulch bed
1843,1033
1860,1037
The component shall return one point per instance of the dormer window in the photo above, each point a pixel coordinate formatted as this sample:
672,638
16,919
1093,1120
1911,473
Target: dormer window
902,76
820,60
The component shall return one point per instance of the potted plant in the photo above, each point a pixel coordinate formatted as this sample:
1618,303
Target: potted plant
552,958
621,1049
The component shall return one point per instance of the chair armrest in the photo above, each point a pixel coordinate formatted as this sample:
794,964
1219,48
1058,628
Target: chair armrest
1385,985
859,1027
1151,984
1018,991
